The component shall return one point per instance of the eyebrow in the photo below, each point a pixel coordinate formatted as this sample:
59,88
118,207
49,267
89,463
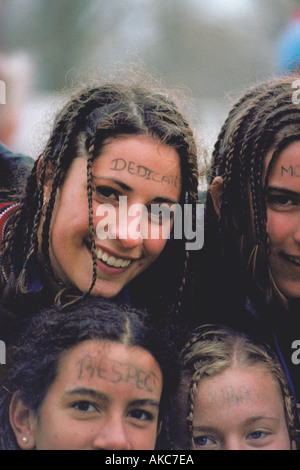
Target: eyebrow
288,192
145,402
88,391
125,187
101,396
253,419
113,180
247,422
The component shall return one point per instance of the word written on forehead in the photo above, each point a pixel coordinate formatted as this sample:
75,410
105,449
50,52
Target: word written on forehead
2,353
116,372
2,92
291,171
119,164
138,222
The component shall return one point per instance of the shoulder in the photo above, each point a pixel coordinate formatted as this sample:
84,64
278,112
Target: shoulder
12,166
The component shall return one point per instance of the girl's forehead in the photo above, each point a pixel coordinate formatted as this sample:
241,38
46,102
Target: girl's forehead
286,165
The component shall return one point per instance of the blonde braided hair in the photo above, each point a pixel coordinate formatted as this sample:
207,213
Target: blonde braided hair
214,348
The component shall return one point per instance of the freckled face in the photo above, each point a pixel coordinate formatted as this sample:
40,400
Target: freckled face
105,396
283,220
138,171
239,409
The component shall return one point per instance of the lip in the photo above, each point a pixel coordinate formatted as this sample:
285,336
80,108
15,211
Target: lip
111,270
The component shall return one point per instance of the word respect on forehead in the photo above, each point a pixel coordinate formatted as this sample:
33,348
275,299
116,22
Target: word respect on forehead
116,372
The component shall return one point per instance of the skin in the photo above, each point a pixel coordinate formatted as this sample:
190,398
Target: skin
239,409
105,396
283,221
137,168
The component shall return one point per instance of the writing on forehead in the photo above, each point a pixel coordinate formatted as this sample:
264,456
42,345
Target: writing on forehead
119,164
231,396
116,372
291,171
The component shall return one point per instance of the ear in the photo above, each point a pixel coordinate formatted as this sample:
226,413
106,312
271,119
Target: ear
216,190
22,422
49,173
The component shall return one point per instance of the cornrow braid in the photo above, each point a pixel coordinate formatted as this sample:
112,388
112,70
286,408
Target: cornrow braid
91,223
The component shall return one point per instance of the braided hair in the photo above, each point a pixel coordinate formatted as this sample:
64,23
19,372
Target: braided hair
33,362
213,349
91,116
264,119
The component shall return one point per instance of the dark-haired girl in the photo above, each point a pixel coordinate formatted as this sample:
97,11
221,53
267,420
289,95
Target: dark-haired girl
97,376
110,143
254,207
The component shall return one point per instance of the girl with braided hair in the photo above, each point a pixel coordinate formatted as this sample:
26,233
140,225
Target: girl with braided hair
252,216
233,394
96,376
112,142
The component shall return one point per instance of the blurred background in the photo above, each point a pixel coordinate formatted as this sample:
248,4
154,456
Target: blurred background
212,49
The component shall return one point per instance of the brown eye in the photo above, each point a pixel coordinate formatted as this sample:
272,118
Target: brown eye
84,406
281,200
106,192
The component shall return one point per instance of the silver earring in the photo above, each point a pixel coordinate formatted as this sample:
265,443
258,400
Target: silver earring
24,439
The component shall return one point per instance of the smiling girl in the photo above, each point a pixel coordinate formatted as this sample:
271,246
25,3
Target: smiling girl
110,142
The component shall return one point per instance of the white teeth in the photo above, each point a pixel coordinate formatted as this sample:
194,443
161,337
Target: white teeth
112,260
118,263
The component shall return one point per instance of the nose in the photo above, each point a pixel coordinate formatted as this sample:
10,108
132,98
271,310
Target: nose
234,443
131,225
297,233
111,436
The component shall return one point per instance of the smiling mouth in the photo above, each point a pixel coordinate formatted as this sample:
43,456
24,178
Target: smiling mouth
111,260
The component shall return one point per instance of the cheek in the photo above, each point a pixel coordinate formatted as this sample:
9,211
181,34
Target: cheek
69,220
154,247
278,228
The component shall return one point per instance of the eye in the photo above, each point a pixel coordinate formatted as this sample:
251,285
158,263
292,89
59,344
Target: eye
281,200
160,214
202,441
256,435
141,415
84,406
106,193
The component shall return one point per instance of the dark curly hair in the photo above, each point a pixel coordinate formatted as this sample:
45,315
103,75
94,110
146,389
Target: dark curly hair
34,360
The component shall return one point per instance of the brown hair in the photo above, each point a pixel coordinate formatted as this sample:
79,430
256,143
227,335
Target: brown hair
90,117
264,119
